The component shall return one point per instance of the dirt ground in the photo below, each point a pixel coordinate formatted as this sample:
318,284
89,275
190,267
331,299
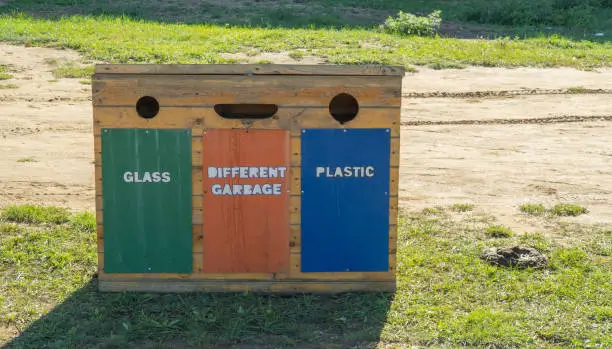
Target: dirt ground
493,137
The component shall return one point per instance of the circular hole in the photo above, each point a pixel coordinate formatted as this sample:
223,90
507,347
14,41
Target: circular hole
147,107
343,108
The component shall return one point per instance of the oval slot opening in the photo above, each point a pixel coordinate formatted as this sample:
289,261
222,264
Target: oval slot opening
343,108
246,111
147,107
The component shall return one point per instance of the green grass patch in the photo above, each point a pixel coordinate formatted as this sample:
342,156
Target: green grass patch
533,209
561,209
73,72
85,82
127,40
34,214
8,86
446,297
297,55
27,160
5,76
462,207
498,231
568,210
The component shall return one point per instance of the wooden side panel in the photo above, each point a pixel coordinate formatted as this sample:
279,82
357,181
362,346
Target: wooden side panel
246,201
287,118
249,69
197,90
119,285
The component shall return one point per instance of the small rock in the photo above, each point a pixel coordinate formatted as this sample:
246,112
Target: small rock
515,256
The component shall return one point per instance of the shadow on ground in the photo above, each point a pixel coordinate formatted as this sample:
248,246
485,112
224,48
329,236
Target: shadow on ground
91,319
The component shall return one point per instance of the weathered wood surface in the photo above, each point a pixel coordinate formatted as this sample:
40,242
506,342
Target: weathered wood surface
200,119
249,69
117,285
200,91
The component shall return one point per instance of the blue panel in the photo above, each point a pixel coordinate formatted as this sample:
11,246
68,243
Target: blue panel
345,201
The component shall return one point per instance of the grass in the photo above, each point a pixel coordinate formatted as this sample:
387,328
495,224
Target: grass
27,160
533,209
85,82
446,296
462,207
72,72
499,231
561,209
568,210
4,75
129,40
8,86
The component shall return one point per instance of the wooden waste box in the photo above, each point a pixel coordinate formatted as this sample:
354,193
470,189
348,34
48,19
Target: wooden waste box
262,178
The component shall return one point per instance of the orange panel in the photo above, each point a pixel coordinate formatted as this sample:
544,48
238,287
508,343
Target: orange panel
246,201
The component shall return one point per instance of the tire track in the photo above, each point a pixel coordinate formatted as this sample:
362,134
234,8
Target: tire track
507,93
550,120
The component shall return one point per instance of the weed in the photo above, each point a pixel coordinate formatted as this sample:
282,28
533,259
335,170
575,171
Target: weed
462,207
432,211
576,89
263,61
499,231
85,82
297,55
53,80
533,209
569,258
5,76
409,24
34,214
51,61
73,72
27,160
8,86
568,210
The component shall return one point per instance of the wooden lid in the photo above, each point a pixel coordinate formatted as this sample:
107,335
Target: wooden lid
249,69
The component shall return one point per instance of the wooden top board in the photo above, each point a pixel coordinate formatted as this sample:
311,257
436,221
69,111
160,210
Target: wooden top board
249,69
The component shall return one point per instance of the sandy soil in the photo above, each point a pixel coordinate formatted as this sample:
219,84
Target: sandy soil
515,157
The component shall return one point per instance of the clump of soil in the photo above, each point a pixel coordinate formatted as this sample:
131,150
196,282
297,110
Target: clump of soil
515,256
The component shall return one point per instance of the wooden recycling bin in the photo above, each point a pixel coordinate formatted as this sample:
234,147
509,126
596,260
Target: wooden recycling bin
262,178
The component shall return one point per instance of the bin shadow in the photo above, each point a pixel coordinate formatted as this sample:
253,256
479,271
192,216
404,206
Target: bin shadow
92,319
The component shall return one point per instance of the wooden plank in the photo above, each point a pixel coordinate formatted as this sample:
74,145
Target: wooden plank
395,152
198,262
287,118
196,180
296,183
99,217
394,181
100,262
100,230
315,287
194,276
198,217
196,158
249,69
294,237
296,151
196,201
99,204
393,209
197,90
295,205
100,244
198,237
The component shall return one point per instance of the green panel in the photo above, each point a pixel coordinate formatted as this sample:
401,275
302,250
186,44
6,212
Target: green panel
146,175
